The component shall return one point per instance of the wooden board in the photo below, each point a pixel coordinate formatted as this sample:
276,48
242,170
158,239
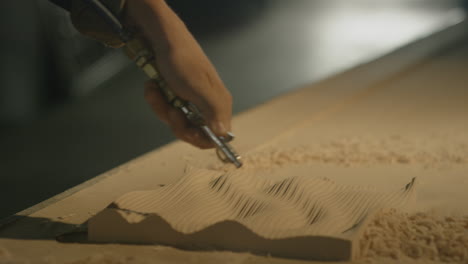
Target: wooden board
403,85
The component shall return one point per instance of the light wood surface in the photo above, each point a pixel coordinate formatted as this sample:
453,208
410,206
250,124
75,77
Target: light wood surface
422,86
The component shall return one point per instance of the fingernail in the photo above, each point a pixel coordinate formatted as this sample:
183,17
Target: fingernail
219,128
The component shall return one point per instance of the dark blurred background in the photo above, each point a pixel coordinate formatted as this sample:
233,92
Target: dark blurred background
71,109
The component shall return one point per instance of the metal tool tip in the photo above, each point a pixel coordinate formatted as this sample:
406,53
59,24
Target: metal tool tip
237,161
238,164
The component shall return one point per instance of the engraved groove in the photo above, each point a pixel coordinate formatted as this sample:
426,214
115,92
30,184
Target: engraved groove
300,206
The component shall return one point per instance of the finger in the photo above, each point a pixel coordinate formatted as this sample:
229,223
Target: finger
174,118
156,101
217,113
185,131
220,120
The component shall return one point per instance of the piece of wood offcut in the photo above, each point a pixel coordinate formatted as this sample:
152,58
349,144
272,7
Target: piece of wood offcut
287,216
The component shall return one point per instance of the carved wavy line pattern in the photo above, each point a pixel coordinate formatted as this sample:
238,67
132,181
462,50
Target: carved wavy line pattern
273,209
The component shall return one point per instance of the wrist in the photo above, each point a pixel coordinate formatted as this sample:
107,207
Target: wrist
157,23
138,11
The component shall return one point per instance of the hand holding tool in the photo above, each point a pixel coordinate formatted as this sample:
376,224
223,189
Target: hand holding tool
137,49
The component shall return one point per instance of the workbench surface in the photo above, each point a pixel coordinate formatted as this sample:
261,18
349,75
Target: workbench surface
419,91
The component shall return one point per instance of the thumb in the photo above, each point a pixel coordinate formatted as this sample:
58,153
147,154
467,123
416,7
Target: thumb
217,114
218,127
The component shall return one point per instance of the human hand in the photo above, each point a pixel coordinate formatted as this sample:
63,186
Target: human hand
186,69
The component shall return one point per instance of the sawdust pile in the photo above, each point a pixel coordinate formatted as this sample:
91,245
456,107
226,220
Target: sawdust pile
419,236
108,259
349,152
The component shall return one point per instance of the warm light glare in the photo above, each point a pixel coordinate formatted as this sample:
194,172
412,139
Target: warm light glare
371,32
